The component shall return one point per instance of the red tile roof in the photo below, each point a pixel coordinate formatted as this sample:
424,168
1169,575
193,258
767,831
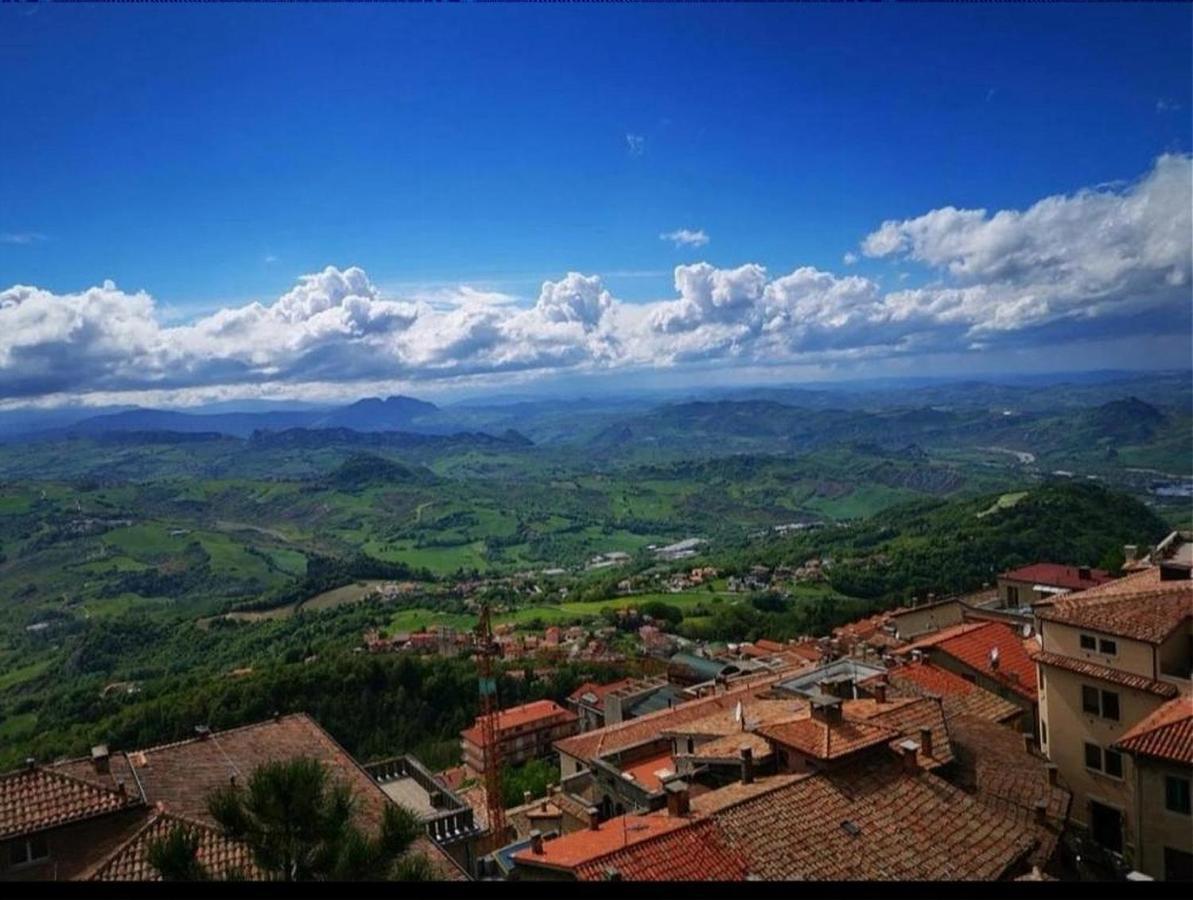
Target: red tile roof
872,822
591,744
1139,606
645,772
1015,670
1056,575
958,696
819,739
33,799
908,717
598,690
220,856
769,646
697,853
938,637
1104,673
179,777
581,847
1166,734
1005,777
538,713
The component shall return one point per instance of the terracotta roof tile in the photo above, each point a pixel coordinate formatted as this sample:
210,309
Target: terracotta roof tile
868,822
216,853
994,763
1139,606
696,853
957,696
1166,734
580,847
540,712
1056,575
907,717
180,776
1103,673
591,744
32,799
598,690
821,740
1015,670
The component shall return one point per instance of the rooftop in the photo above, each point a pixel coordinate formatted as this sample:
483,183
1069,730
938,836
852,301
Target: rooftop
1105,673
220,856
591,692
876,822
540,712
1166,734
580,847
605,740
1073,578
974,646
178,777
696,853
814,737
35,798
1138,606
957,696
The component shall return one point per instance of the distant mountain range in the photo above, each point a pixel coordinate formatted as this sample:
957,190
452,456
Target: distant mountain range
372,414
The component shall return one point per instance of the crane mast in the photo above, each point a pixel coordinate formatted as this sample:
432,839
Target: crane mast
487,650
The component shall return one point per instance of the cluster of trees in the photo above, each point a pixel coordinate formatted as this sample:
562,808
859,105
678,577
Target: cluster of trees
956,546
326,573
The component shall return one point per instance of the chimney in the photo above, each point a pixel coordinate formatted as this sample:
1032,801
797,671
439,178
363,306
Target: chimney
527,797
1083,573
826,709
1052,773
120,786
203,732
536,842
1041,810
993,657
909,749
880,692
747,765
277,715
917,656
611,874
543,805
926,740
1130,552
677,798
100,759
30,762
594,818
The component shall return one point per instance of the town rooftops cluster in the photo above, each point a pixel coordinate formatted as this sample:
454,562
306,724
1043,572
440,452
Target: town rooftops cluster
100,812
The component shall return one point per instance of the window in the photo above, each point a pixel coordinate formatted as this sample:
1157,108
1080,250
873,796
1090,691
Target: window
1043,732
1114,763
1099,703
1012,596
1107,646
1176,794
1088,642
1109,705
1178,865
22,853
1109,762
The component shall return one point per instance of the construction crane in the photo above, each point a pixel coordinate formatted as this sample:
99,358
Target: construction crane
486,650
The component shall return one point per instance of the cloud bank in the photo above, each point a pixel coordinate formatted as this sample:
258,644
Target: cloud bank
1104,261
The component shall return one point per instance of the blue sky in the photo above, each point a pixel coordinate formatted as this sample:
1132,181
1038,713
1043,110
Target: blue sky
213,155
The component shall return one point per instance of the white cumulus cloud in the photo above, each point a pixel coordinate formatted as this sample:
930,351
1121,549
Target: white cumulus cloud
685,237
1098,264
